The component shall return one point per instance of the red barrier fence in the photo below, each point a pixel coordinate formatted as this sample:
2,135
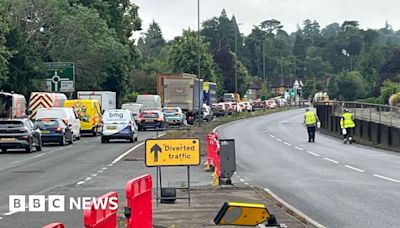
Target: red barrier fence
102,217
139,198
212,148
54,225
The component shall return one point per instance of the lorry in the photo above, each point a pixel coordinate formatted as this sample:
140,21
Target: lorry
184,91
149,101
12,105
44,100
107,99
210,93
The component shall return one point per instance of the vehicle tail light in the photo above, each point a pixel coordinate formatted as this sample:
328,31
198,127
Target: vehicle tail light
160,119
59,129
130,123
25,137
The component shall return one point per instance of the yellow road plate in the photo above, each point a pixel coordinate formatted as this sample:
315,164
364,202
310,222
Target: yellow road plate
172,152
45,131
111,128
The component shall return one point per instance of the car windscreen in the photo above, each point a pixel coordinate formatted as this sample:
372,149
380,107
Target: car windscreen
113,116
47,123
11,124
150,115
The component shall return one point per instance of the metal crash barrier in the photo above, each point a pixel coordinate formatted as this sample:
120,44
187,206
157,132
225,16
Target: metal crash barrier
99,217
139,199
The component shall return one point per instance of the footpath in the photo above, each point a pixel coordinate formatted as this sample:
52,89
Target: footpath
206,199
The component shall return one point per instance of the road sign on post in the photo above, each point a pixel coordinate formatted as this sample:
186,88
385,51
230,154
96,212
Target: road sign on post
60,76
172,152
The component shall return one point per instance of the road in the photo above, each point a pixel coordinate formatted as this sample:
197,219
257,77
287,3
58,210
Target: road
335,184
85,169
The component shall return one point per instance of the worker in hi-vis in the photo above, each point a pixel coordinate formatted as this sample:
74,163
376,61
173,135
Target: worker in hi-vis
310,120
347,125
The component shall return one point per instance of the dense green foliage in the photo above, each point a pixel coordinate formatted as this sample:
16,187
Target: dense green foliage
343,59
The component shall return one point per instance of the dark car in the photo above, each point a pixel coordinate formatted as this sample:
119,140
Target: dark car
218,110
152,119
19,133
55,130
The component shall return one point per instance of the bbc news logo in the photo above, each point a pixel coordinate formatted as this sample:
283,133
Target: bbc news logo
58,203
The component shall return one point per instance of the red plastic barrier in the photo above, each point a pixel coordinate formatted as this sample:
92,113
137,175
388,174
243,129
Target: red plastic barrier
212,149
54,225
139,198
102,217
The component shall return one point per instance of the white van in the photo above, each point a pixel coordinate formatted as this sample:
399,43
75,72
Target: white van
135,108
64,114
119,124
149,102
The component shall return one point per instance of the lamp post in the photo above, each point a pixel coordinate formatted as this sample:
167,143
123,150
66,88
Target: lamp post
199,60
237,57
345,53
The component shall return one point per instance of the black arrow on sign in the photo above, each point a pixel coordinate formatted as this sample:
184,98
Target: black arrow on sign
156,149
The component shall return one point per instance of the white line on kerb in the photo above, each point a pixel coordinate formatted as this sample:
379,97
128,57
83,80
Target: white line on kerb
279,140
386,178
287,144
328,159
314,154
287,205
298,148
354,168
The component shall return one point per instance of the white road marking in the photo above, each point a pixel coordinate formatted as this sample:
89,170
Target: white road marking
1,218
314,154
331,160
80,182
296,211
287,144
39,155
88,179
104,168
272,136
10,213
241,180
279,140
354,168
298,148
246,183
251,186
110,164
94,174
387,178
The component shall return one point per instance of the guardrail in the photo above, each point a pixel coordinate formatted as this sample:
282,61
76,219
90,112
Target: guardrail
383,114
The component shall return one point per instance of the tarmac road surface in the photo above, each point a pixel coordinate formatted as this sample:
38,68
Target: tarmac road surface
335,184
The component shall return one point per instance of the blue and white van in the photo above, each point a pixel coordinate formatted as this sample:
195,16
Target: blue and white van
119,124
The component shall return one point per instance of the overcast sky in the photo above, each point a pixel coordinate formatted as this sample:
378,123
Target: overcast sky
175,15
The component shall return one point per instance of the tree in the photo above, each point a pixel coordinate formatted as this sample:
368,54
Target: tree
348,86
299,48
388,89
153,41
4,52
183,56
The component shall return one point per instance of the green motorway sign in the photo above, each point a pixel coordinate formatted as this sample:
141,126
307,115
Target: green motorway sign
60,76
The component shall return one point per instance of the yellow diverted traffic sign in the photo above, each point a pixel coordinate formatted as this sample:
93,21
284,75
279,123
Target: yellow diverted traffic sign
172,152
244,214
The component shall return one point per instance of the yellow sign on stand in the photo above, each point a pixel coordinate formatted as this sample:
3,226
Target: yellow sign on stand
243,214
172,152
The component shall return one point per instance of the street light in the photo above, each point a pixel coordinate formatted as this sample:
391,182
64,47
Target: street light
199,59
237,57
345,53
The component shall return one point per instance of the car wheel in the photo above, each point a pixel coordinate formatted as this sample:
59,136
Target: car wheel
94,132
78,137
62,142
136,139
39,147
4,150
131,139
103,140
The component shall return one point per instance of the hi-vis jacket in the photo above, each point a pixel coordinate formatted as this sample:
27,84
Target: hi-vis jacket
347,121
310,119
